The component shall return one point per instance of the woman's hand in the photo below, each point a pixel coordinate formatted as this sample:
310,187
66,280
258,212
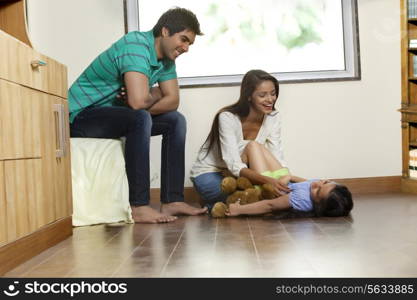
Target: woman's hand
284,180
280,186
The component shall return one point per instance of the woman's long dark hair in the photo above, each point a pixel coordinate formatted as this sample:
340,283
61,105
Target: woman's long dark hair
242,107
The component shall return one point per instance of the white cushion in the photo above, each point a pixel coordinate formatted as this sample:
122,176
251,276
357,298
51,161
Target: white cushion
100,189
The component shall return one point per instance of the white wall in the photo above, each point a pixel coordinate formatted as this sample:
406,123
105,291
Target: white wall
74,32
343,129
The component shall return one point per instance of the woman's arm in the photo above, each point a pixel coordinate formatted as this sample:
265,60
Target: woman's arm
260,207
254,176
229,142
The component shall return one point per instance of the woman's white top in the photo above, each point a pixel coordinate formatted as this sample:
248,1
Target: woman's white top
232,145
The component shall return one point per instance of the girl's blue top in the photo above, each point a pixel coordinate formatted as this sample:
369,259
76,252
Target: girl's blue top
300,195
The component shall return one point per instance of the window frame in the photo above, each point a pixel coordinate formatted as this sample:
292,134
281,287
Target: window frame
350,43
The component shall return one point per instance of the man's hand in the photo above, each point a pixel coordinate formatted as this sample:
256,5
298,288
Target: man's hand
155,94
122,95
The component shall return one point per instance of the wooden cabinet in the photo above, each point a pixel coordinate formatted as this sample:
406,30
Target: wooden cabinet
409,90
35,173
19,122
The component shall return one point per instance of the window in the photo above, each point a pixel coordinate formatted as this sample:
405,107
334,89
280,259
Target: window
296,40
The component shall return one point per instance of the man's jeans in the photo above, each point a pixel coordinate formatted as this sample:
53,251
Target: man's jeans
208,185
138,126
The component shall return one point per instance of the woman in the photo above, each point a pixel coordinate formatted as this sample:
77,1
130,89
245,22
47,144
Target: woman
244,139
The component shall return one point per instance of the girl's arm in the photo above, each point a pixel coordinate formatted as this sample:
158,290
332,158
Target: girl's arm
260,207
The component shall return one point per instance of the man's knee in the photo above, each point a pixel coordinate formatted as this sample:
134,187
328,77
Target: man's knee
141,118
177,119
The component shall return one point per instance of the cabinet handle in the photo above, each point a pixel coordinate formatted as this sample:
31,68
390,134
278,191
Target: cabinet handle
37,63
59,128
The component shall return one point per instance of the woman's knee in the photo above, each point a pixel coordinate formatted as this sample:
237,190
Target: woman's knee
252,146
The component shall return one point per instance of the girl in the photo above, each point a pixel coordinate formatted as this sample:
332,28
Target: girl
237,134
307,198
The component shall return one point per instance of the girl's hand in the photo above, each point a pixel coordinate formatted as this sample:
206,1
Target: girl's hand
233,210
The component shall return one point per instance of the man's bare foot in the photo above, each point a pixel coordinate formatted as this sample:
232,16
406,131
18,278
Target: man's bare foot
146,214
181,208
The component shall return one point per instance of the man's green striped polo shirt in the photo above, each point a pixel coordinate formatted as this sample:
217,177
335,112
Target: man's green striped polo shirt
99,84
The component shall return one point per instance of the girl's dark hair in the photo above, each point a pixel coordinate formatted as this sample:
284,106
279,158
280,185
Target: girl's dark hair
339,203
242,107
176,20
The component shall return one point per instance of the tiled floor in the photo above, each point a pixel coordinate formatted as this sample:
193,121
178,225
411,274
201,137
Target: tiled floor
379,239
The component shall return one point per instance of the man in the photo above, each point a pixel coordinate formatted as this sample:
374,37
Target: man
138,61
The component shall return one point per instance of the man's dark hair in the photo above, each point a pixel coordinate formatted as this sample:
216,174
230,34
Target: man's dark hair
176,20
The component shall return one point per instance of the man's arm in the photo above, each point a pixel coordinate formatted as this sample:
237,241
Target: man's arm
137,86
170,98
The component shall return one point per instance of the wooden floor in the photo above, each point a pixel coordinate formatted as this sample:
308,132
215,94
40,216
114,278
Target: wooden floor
378,240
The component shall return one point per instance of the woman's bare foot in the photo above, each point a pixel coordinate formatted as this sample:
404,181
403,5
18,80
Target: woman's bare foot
146,214
181,208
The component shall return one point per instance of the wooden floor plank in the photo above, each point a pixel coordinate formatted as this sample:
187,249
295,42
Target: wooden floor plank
378,240
149,258
84,242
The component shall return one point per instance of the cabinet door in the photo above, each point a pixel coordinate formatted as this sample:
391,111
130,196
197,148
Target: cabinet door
54,77
24,194
405,147
20,114
63,186
3,215
16,61
56,161
21,64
